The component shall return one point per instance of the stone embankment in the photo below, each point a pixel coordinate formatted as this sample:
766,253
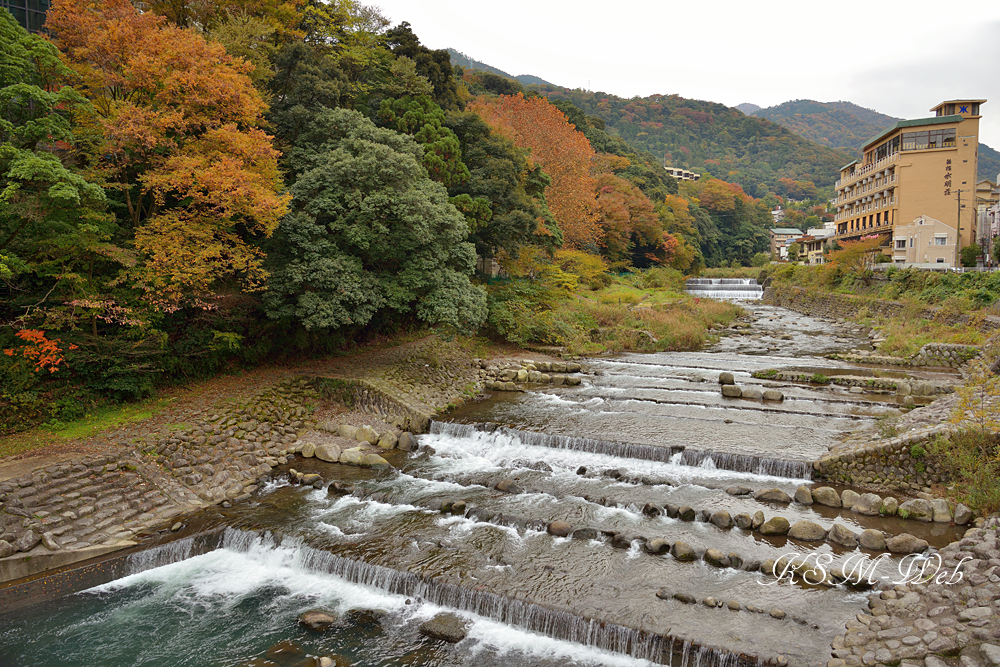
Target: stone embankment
847,306
951,616
937,355
516,375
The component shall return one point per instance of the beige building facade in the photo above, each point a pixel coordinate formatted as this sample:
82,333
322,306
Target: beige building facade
918,168
924,241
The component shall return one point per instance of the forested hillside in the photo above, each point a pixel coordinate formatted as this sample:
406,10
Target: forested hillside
203,185
847,126
462,60
761,156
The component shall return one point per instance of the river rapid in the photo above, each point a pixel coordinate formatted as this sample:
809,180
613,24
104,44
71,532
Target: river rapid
641,431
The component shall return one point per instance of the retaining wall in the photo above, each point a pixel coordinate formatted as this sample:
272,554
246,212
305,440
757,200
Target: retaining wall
847,306
373,398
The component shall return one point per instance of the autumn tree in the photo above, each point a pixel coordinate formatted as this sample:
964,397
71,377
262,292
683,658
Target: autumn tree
628,222
181,145
369,234
513,189
858,257
562,152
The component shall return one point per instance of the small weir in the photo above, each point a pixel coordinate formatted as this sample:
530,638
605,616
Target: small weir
728,289
755,465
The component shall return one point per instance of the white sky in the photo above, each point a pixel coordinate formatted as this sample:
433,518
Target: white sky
898,58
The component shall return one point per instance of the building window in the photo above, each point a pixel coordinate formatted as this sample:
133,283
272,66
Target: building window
919,141
940,260
911,241
940,240
901,244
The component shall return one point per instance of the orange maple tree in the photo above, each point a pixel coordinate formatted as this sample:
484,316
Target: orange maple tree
46,354
562,151
180,139
626,216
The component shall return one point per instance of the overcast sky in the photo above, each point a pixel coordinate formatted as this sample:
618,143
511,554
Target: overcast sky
898,58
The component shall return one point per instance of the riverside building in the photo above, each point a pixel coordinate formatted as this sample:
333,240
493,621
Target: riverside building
917,168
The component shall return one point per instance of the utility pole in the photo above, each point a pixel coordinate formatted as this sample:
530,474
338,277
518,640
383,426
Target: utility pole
958,232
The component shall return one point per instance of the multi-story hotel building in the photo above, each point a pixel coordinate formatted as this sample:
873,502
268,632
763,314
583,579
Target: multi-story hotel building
916,168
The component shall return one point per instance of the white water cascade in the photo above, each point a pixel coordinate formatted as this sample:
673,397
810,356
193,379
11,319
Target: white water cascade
727,289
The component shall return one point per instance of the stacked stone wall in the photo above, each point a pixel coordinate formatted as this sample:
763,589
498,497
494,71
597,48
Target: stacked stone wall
902,463
378,399
846,306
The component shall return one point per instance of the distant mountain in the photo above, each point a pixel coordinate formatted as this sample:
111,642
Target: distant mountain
459,58
847,126
835,124
747,108
756,153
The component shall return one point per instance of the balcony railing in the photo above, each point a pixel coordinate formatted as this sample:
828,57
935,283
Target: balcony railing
864,170
864,189
863,209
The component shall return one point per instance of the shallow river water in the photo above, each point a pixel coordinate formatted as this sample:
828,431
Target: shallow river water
640,429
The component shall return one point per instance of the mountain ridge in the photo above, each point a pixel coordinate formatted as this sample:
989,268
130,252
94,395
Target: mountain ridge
459,58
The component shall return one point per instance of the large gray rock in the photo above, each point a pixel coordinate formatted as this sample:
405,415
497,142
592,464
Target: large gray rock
843,536
849,498
6,549
508,486
868,504
388,440
406,442
752,393
716,558
757,520
353,457
991,652
918,509
685,513
374,461
657,545
317,620
447,627
776,525
744,521
889,506
963,515
824,495
807,531
366,434
328,453
683,551
726,378
347,431
941,513
872,539
559,529
772,496
905,544
722,519
731,391
773,395
308,450
803,495
27,541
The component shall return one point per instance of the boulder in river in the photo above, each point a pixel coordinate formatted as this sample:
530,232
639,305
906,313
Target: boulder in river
731,391
683,551
366,434
872,539
650,509
869,504
347,431
843,536
752,393
848,498
317,620
825,495
685,513
388,440
773,395
448,627
757,520
726,378
889,506
905,544
739,491
559,529
806,531
743,521
776,525
772,496
585,534
722,519
803,495
657,545
406,441
963,515
716,558
941,511
918,509
328,453
508,486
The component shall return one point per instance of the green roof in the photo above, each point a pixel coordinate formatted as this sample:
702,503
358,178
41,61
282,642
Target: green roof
936,120
849,164
783,231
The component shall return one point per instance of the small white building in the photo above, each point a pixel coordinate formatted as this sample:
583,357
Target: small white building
924,241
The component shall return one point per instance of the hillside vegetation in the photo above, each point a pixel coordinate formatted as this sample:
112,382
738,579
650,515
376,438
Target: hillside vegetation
847,126
761,156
